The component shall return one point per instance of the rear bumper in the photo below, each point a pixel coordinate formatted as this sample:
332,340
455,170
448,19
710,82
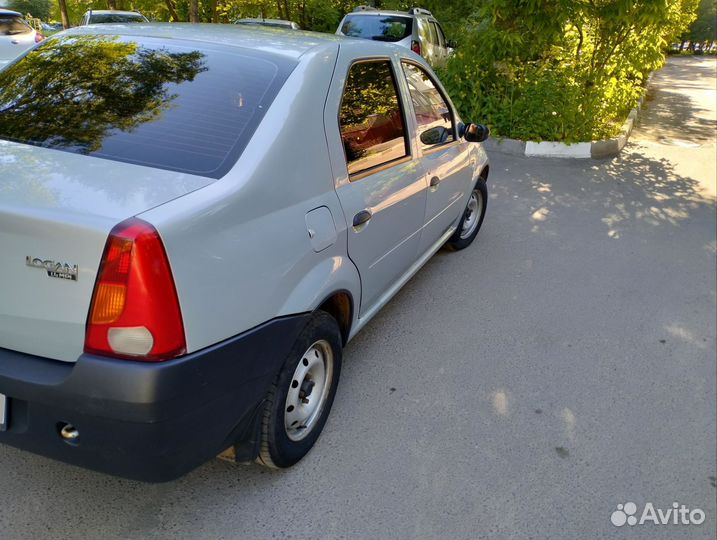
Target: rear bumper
146,421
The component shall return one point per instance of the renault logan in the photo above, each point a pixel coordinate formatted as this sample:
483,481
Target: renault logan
194,220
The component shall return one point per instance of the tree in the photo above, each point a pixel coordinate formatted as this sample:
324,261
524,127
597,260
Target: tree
703,29
74,91
194,11
63,13
37,8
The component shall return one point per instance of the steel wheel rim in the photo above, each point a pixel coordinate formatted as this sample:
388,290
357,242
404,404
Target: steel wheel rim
308,390
474,209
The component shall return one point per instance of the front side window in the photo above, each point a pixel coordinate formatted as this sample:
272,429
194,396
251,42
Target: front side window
181,106
433,115
370,119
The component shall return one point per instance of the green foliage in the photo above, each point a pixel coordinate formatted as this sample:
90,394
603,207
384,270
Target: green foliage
40,9
89,85
565,70
703,29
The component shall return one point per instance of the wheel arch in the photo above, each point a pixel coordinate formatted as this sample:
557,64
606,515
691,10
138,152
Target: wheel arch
340,305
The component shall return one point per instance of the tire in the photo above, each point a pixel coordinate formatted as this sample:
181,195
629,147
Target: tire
467,231
283,439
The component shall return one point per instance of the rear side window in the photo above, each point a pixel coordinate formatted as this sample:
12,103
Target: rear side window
433,34
370,119
440,39
167,104
433,115
13,26
377,27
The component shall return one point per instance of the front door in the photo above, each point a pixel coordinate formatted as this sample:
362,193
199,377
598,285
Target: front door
444,158
383,194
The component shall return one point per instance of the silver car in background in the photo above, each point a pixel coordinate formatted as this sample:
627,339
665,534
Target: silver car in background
416,29
112,16
16,35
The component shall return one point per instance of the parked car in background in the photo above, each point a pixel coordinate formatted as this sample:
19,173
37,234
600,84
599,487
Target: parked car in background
415,29
16,35
190,240
51,28
108,16
273,23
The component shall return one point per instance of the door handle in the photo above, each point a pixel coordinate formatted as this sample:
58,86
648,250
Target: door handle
435,181
362,217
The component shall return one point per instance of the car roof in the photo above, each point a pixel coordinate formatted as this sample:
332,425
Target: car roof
381,12
257,20
112,12
289,43
10,12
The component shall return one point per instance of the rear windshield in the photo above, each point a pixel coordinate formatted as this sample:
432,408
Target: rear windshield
182,106
377,27
115,18
12,25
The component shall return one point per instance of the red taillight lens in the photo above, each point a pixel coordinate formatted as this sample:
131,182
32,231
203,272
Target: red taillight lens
135,311
39,37
416,47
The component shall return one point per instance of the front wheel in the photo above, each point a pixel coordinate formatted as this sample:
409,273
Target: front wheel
299,400
472,218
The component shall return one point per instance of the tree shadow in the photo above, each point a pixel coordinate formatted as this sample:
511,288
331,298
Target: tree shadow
631,194
674,115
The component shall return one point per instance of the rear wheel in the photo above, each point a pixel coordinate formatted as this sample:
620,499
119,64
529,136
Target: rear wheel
299,400
472,218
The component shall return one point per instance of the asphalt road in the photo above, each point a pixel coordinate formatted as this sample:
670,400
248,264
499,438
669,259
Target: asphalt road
521,388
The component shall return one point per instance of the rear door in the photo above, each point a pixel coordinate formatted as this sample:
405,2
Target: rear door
381,188
443,157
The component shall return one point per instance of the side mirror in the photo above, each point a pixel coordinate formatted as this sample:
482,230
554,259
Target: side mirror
474,132
452,44
435,135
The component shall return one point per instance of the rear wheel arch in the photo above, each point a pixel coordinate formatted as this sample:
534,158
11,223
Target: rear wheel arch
340,305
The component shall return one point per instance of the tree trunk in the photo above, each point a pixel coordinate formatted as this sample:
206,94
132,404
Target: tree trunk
278,7
213,11
112,4
194,11
63,14
172,10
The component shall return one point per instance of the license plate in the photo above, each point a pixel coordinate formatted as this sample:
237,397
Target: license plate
3,412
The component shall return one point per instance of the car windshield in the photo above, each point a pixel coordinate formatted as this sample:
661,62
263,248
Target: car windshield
103,18
377,27
179,106
13,25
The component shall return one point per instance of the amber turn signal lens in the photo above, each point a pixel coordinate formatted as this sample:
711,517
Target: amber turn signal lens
109,303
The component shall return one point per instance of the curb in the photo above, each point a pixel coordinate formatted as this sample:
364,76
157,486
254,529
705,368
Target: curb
605,148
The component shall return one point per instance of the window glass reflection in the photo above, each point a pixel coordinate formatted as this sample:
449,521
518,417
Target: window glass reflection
371,122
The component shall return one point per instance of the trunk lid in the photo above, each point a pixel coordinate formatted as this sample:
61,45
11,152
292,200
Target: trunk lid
56,210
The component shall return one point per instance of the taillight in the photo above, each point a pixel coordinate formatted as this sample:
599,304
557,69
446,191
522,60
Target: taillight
38,37
416,46
135,311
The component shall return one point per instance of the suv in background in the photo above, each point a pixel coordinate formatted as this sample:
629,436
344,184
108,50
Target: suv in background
111,16
416,29
16,35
